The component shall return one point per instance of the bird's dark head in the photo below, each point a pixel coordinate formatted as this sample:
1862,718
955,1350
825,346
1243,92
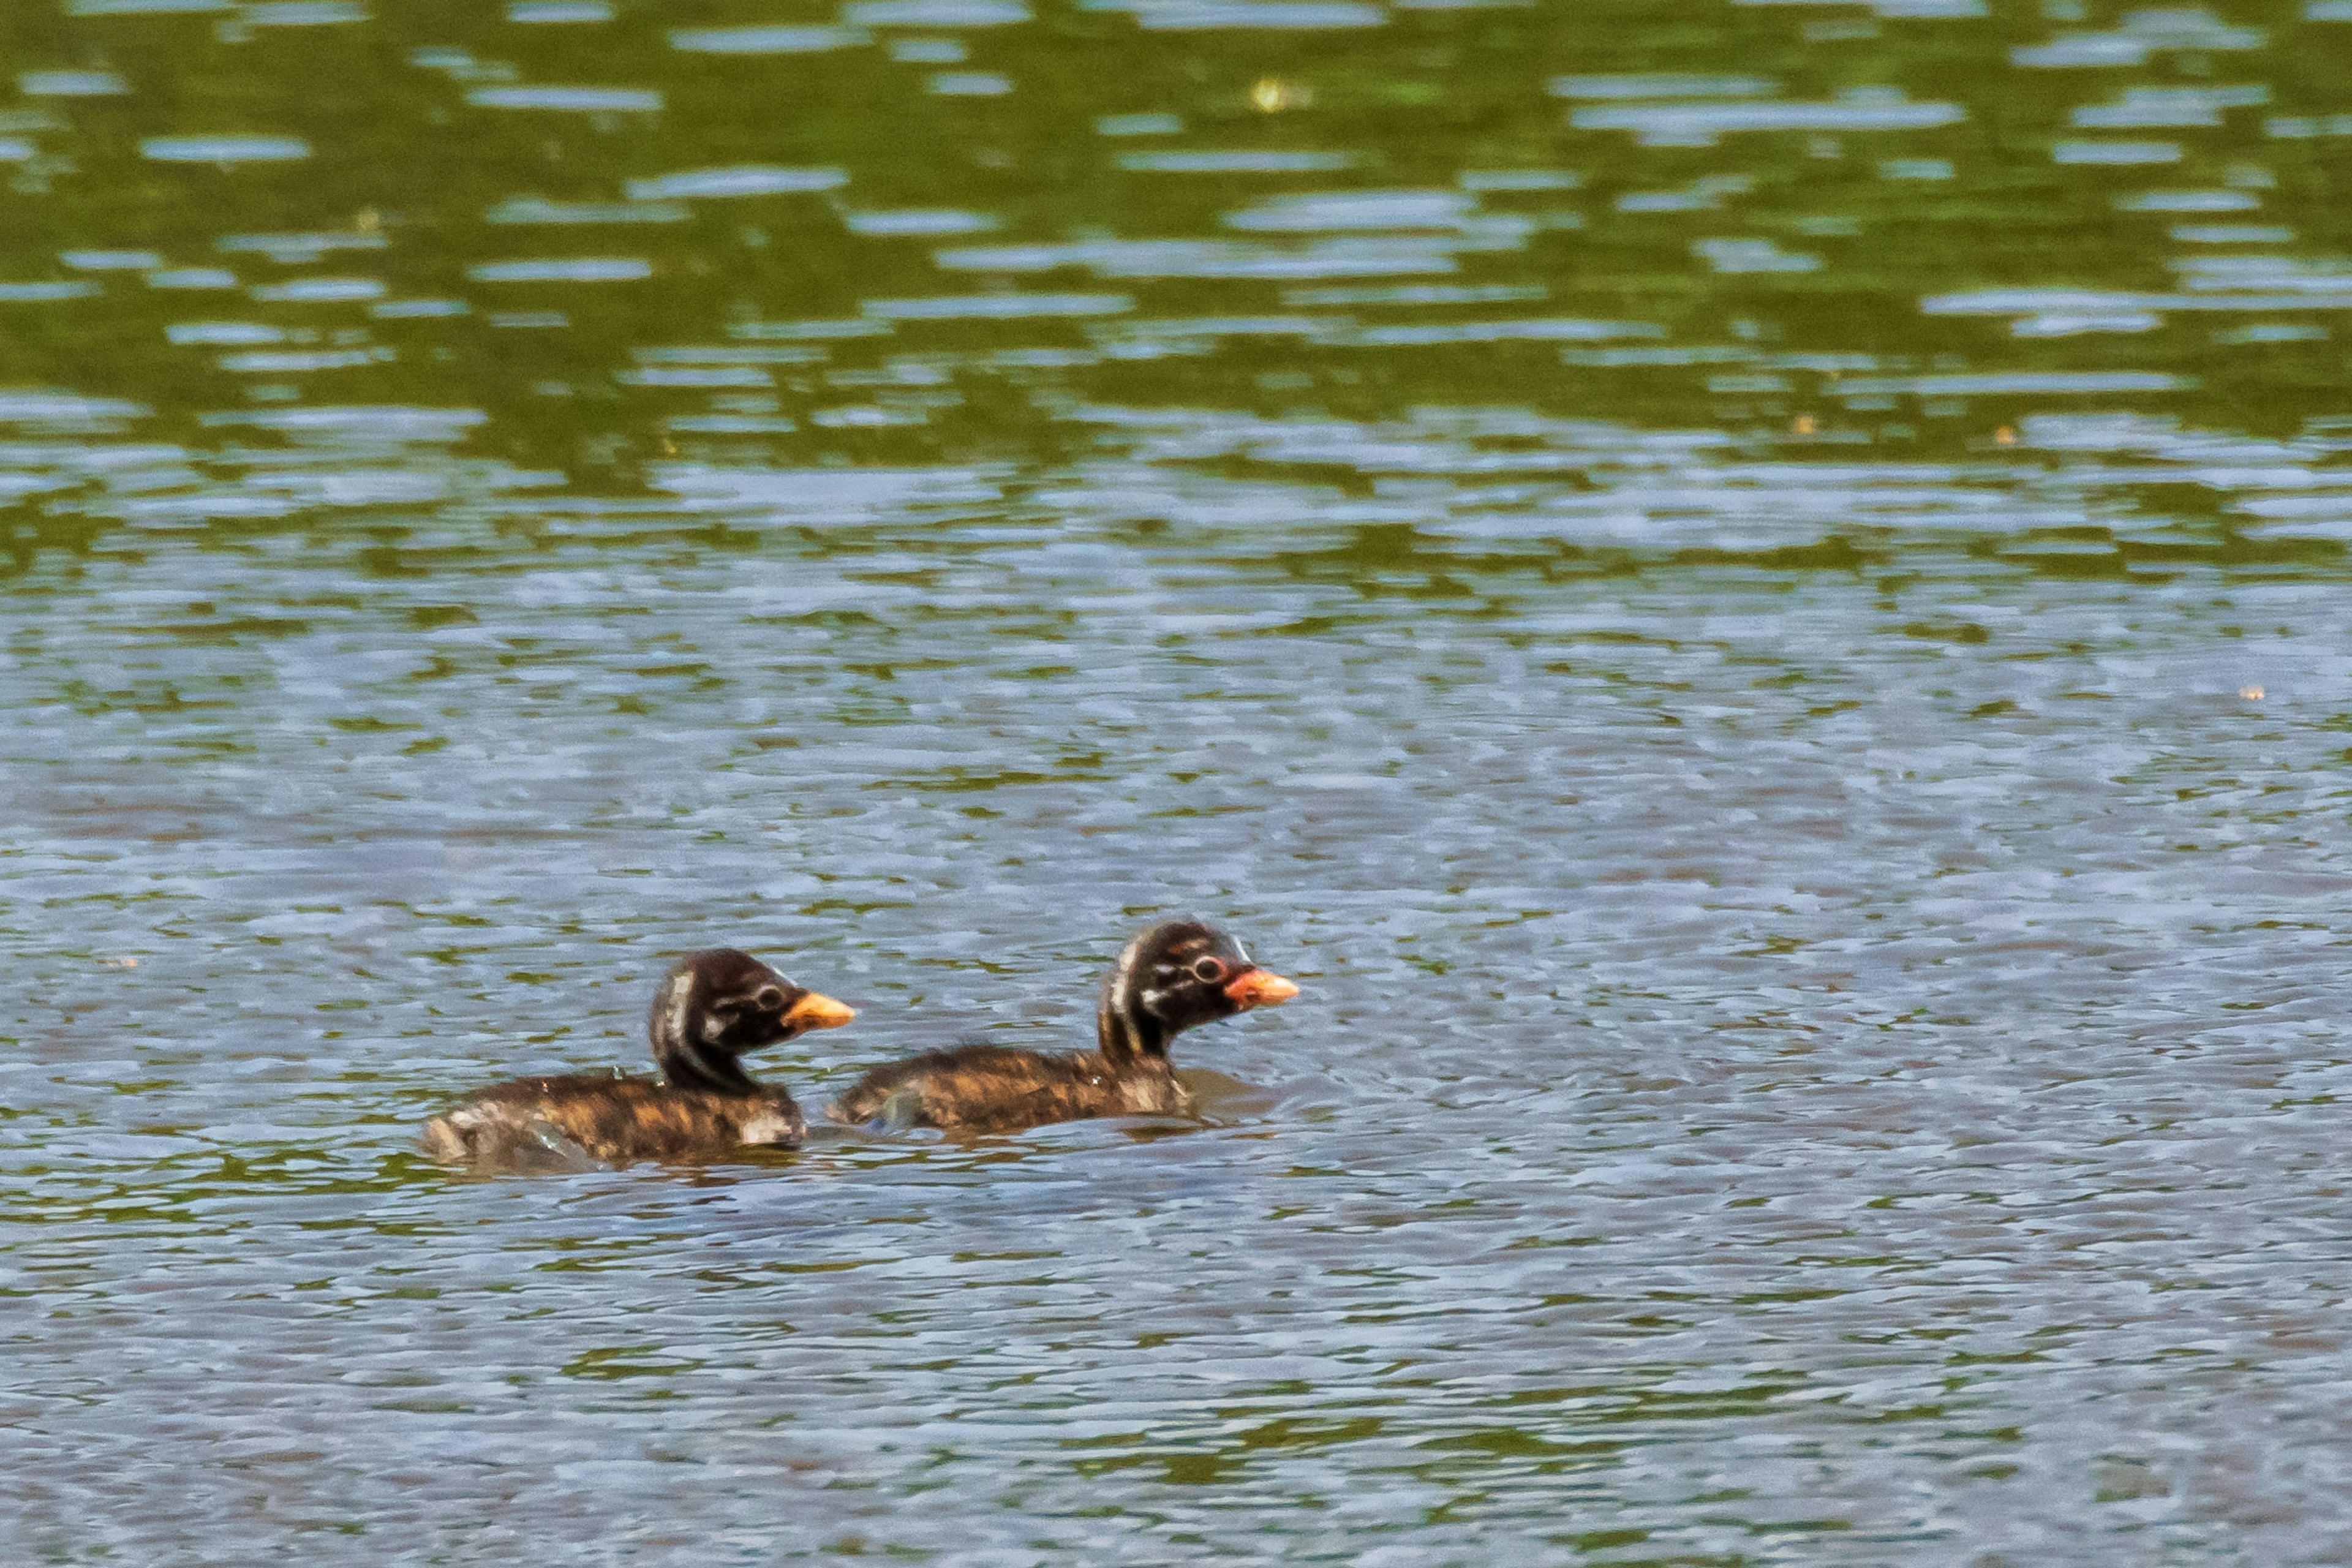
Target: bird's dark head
1172,977
716,1004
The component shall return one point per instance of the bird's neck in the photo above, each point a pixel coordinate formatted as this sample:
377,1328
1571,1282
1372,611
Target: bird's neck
686,1059
686,1065
1127,1036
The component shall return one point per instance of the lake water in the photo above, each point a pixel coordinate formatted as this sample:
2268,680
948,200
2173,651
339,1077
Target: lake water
1752,596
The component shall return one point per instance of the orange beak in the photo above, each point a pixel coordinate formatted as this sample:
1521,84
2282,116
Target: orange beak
1259,988
818,1011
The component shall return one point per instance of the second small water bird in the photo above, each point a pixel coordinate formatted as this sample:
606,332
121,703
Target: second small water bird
1168,980
711,1008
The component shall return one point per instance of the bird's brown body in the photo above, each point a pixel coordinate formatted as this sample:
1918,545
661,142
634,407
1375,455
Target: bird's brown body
612,1121
1167,980
988,1089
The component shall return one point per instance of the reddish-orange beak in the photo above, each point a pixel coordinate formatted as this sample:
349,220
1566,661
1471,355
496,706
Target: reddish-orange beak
818,1011
1259,988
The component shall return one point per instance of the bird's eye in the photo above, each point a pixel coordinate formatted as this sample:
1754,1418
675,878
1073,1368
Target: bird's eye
770,999
1209,969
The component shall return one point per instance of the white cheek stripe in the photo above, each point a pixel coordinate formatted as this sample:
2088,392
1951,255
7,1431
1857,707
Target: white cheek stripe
681,986
1121,976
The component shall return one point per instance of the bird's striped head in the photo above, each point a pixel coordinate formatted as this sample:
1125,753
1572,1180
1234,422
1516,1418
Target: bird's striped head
715,1005
1172,977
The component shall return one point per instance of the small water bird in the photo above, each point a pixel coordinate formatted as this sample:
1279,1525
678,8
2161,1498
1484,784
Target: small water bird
711,1007
1169,979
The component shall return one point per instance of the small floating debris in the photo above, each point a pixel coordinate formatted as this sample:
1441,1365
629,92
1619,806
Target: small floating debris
1271,95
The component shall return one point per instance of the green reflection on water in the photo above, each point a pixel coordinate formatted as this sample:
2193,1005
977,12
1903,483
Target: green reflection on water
889,243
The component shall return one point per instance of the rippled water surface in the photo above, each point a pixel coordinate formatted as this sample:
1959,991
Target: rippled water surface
1752,596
